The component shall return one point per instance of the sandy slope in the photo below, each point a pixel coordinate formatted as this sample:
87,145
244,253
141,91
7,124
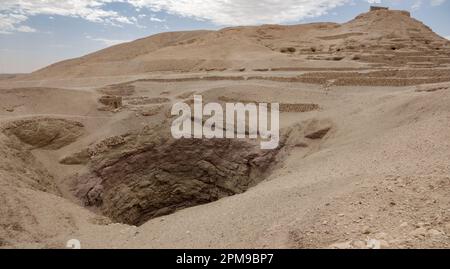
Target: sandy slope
380,171
262,47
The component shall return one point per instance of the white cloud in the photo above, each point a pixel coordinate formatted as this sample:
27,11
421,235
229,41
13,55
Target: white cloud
14,14
107,42
435,3
242,12
448,37
155,19
11,22
417,5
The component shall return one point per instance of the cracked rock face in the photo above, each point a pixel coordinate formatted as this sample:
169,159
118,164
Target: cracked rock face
132,184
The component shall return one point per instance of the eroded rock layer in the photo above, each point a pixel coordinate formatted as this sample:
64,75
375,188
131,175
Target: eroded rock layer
153,174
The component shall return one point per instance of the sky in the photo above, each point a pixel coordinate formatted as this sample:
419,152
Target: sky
36,33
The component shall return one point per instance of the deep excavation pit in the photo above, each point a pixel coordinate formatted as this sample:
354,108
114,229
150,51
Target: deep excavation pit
151,174
136,177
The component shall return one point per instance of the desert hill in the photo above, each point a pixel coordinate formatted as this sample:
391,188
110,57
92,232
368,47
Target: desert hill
370,38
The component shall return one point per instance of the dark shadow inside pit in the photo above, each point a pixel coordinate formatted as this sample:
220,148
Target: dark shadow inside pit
168,175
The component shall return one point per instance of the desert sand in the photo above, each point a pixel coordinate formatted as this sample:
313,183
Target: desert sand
86,151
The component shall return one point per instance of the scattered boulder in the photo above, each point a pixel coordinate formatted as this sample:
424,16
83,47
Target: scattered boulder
366,230
419,232
288,50
343,245
434,232
151,111
285,107
144,100
447,228
318,134
81,157
110,101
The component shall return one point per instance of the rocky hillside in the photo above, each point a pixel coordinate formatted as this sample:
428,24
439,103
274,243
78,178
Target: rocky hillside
375,37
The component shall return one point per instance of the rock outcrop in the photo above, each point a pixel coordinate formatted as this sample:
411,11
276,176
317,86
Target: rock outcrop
44,133
152,174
